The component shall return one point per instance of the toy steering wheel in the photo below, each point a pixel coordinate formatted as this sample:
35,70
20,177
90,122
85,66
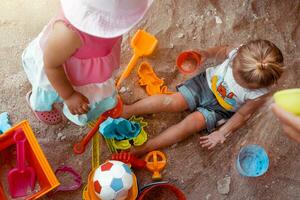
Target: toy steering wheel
156,161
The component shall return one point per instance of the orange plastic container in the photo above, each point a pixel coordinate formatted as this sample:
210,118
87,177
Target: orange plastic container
35,157
188,55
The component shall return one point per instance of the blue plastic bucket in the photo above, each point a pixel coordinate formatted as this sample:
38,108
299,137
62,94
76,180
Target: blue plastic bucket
252,161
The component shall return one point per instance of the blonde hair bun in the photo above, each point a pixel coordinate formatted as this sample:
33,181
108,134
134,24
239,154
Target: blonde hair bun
260,62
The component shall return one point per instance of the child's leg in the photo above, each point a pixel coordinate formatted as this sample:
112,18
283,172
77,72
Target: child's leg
155,104
191,124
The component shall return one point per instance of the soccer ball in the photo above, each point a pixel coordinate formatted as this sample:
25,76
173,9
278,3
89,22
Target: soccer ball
112,180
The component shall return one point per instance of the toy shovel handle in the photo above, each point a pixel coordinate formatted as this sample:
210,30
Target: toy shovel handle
79,148
128,69
20,140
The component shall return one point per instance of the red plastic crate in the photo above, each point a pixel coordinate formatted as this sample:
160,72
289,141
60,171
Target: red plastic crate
35,157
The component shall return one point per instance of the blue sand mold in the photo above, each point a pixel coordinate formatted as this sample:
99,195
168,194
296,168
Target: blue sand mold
252,161
4,122
119,129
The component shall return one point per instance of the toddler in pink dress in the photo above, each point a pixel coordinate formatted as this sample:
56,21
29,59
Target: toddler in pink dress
73,59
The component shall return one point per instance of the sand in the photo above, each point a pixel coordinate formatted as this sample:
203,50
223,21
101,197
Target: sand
179,25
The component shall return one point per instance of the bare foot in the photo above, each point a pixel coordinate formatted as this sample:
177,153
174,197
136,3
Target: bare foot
126,114
139,151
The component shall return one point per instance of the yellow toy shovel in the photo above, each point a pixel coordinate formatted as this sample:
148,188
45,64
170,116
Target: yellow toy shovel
143,44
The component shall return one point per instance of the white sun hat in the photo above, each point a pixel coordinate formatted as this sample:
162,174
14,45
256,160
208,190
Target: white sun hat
105,18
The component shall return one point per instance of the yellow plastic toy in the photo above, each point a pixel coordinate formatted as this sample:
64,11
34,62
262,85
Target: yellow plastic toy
125,144
289,100
156,162
143,136
35,157
96,153
148,78
143,44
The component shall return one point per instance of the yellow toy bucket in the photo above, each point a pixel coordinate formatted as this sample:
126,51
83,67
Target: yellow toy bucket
289,100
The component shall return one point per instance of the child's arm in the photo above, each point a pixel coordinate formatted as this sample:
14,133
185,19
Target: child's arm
218,53
290,122
61,44
234,123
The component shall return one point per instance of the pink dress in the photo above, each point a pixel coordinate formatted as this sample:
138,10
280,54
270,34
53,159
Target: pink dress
89,70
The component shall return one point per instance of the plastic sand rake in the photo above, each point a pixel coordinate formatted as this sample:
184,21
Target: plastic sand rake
143,44
22,177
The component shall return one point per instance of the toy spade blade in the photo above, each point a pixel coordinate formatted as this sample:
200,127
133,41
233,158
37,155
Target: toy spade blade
21,178
143,44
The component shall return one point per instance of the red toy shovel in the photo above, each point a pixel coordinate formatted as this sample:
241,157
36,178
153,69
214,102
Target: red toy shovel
20,178
79,148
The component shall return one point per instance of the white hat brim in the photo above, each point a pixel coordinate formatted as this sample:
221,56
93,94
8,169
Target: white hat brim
100,23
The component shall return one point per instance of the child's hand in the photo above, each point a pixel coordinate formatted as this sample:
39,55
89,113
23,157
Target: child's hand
210,141
77,104
290,122
204,55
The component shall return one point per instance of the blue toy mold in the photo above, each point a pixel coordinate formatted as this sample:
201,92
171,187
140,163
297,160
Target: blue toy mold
252,161
4,122
119,129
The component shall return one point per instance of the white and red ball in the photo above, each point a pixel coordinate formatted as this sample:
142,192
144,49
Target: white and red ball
112,180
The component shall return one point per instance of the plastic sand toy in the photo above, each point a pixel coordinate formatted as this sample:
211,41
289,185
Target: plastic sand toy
119,129
4,122
137,141
143,44
289,100
79,148
252,161
96,157
188,61
129,159
116,182
45,177
150,80
22,176
151,190
156,162
115,145
77,181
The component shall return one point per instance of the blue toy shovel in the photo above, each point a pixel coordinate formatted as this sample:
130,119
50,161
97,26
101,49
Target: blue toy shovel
20,178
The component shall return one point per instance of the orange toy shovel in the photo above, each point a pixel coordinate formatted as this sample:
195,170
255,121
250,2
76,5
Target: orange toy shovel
156,161
143,44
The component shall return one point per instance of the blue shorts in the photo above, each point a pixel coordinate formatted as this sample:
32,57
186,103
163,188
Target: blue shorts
199,97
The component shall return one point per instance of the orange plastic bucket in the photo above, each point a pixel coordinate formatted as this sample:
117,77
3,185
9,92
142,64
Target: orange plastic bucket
185,56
